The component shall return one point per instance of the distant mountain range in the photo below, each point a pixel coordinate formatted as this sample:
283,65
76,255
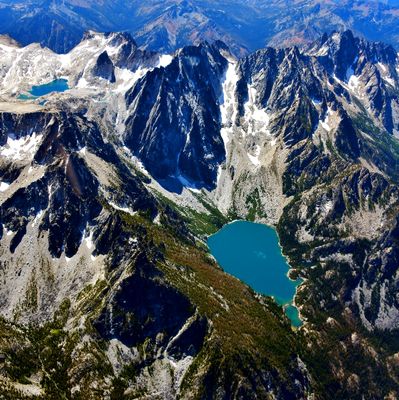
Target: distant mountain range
244,25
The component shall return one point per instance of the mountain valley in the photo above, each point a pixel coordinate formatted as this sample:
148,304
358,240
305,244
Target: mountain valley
110,188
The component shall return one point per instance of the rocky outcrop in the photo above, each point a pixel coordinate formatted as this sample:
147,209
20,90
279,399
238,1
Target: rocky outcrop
174,121
143,307
104,68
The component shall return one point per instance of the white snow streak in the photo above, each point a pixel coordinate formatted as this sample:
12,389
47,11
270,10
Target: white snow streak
256,118
324,123
228,108
124,209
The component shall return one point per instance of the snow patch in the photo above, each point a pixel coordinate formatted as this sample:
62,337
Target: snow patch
89,241
336,37
316,102
135,240
385,74
256,118
324,123
124,209
4,186
187,184
353,82
323,51
125,79
327,207
82,84
382,66
37,218
255,158
18,149
389,80
165,60
351,79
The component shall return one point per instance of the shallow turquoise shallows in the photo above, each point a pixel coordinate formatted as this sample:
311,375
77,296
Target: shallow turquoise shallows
58,85
251,252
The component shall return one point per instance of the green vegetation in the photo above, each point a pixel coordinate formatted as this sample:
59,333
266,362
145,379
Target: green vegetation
241,325
250,336
46,351
254,206
247,331
379,146
200,223
335,336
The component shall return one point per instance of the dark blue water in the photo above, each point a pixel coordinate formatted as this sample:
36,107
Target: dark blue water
251,252
58,85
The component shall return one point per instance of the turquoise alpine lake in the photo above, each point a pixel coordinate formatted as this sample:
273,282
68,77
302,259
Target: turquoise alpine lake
251,252
58,85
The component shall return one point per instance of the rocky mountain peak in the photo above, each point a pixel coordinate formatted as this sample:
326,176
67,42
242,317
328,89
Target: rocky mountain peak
119,38
188,143
104,68
90,34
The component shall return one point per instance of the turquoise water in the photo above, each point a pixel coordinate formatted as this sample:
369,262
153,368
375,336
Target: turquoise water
58,85
251,252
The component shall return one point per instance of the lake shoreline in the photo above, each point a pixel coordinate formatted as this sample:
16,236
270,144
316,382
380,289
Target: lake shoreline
261,249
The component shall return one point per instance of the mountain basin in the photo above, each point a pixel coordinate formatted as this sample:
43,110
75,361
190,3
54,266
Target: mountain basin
57,85
251,252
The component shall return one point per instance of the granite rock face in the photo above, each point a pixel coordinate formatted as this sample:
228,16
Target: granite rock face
174,127
104,67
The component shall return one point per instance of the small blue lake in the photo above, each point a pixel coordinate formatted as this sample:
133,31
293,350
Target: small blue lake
58,85
251,252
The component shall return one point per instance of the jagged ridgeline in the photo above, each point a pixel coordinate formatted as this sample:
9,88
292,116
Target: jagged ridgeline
111,183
